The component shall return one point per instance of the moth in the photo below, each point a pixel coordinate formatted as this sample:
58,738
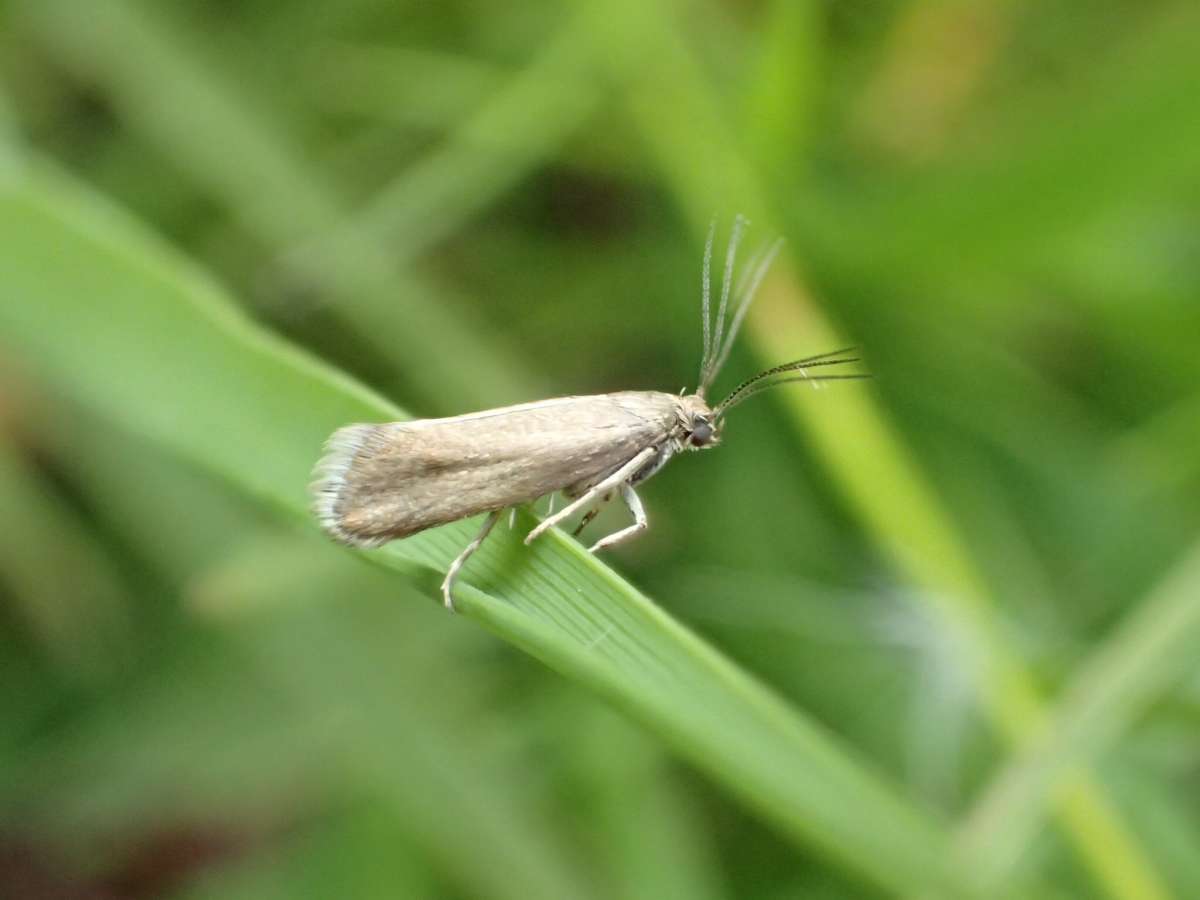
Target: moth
379,482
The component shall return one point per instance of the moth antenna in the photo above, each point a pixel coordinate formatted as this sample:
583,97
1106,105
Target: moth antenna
748,287
830,358
735,238
814,380
711,368
752,265
808,361
705,296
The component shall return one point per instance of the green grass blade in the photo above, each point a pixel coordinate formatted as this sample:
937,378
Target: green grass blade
1154,649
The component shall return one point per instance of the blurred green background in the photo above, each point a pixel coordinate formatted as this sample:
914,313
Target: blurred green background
931,635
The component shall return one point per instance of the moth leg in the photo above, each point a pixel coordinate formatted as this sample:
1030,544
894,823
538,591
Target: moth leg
591,514
588,497
452,573
639,521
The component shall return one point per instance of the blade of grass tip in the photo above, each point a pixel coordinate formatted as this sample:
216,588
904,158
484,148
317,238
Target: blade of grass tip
161,85
145,341
882,483
1152,650
516,131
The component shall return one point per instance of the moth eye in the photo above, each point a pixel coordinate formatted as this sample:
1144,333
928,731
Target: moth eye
702,432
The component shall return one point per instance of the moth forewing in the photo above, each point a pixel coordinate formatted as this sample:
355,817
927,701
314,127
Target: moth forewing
381,482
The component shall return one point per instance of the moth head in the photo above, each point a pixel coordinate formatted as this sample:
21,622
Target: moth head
698,422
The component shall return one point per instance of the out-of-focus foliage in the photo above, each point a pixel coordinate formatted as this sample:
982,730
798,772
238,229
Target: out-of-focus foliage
948,619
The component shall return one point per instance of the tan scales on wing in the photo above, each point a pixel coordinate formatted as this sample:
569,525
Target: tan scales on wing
404,477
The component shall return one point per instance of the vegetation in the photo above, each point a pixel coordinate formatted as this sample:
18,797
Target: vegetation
931,635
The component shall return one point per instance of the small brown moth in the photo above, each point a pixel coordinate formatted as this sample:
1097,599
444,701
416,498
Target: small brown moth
377,483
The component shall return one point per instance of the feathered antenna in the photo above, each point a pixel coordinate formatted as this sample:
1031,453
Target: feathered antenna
755,272
705,295
766,379
717,343
735,237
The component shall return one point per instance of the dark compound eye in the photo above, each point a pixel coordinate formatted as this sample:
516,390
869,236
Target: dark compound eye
702,432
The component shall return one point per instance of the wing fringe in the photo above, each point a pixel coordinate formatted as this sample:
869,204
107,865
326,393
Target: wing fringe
342,454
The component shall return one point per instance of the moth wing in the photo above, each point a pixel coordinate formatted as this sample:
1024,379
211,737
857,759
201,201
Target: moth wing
380,482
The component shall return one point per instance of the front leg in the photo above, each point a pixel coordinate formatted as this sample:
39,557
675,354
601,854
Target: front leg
639,521
592,494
